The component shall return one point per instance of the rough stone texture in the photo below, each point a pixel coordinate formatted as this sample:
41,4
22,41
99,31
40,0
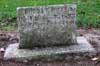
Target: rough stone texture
43,26
82,48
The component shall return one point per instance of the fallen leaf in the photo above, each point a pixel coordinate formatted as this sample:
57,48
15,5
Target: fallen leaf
95,58
2,49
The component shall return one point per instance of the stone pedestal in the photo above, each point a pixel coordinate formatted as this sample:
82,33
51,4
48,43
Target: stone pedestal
81,49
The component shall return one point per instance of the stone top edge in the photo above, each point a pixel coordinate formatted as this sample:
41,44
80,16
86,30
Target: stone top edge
60,5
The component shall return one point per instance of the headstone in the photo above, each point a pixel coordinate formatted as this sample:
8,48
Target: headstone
46,26
48,32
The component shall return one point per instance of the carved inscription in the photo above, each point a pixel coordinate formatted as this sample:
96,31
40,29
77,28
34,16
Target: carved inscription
46,26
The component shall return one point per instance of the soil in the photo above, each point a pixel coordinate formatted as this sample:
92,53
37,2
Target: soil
92,35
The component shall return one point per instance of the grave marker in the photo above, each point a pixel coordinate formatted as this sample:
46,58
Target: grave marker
52,25
48,32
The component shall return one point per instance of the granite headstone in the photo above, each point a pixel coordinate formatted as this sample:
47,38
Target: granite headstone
46,26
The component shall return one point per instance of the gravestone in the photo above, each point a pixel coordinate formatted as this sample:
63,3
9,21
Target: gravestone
48,32
47,26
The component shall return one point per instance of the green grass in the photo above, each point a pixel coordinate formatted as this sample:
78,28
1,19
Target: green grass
9,6
88,11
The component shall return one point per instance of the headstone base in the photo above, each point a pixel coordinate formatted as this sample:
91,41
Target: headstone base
82,48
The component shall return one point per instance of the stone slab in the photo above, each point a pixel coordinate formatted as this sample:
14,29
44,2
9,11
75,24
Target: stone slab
47,25
83,47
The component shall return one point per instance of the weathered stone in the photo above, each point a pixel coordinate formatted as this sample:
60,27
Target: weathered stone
43,26
82,48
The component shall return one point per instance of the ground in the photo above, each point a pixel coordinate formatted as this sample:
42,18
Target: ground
93,35
86,17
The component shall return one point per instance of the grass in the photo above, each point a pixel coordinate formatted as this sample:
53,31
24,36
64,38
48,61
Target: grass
88,11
